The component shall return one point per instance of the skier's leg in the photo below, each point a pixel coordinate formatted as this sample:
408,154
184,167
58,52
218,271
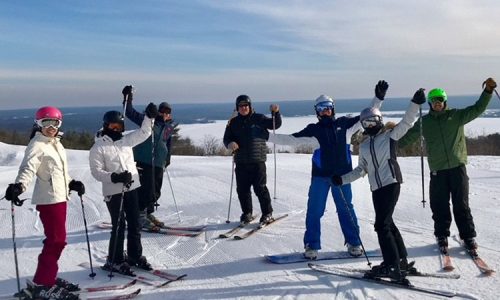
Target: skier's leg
114,211
316,204
459,182
244,176
439,196
260,189
53,217
131,207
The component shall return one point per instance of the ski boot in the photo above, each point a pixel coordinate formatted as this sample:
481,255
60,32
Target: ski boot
55,292
122,268
141,263
408,268
246,219
155,221
354,250
70,287
442,242
311,254
266,219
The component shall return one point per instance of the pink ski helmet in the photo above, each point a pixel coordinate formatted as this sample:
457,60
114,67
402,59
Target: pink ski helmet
48,116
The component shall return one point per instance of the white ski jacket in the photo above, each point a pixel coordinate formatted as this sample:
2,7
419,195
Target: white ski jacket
377,154
107,156
45,158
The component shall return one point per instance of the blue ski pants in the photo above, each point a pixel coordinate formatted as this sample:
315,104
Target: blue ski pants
316,204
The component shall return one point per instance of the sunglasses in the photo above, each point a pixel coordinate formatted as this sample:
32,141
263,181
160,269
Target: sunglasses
115,126
243,105
324,107
45,123
437,99
166,111
371,122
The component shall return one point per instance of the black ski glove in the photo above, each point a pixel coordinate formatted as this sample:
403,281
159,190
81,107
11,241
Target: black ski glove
77,186
380,89
151,110
419,97
13,191
123,177
128,93
336,180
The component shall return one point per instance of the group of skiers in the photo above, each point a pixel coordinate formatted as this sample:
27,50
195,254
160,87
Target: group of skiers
131,166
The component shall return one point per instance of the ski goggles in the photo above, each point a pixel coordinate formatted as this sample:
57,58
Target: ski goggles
115,126
45,123
437,99
371,122
324,106
165,111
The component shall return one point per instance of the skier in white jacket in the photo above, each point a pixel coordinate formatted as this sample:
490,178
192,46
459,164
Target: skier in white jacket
377,158
112,163
45,159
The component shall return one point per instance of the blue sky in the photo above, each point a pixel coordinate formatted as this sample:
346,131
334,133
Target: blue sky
80,53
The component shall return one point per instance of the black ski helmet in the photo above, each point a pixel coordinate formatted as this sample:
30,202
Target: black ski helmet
241,99
164,107
113,116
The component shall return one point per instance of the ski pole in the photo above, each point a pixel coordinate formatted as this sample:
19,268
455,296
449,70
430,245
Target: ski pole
120,216
274,151
173,196
497,94
422,155
231,190
153,183
355,226
15,247
92,274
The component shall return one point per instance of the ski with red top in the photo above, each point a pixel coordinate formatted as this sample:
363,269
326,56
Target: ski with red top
258,228
124,296
446,262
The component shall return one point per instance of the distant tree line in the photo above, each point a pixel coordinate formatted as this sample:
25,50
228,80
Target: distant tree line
212,146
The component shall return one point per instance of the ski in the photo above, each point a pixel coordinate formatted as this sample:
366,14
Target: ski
187,231
185,228
296,257
107,287
138,278
387,282
478,261
446,262
163,274
413,273
161,230
235,230
107,225
258,228
83,293
124,296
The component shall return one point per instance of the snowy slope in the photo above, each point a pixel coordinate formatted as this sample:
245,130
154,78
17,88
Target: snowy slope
227,269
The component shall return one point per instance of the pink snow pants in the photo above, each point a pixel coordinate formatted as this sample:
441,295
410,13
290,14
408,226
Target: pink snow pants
53,217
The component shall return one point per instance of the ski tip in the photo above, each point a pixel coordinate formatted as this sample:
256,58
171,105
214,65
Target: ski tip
237,237
448,268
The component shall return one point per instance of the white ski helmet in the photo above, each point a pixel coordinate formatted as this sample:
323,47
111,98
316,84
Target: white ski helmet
323,99
369,113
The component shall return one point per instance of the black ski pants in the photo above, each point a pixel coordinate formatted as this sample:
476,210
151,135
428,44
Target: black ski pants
252,174
131,216
148,194
390,240
444,183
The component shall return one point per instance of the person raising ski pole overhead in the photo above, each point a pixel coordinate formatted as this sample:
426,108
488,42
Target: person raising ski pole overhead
331,137
111,162
246,134
45,159
377,158
443,132
157,151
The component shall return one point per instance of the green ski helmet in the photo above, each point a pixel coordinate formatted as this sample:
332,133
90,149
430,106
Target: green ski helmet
436,93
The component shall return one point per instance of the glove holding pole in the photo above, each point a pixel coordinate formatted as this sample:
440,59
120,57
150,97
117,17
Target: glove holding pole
128,95
12,193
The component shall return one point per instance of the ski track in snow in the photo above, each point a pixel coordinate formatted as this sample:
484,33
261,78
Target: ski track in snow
229,269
